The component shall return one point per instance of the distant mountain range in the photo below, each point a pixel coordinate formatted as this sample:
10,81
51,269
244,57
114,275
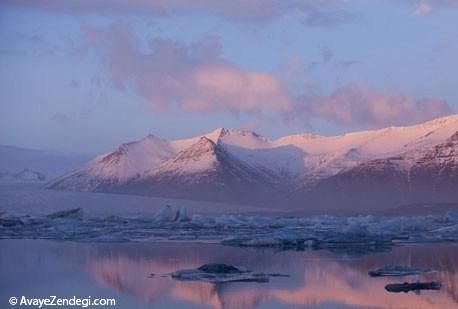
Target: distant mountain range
24,164
376,169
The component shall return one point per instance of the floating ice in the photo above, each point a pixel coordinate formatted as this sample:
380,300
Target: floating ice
220,273
8,222
76,214
452,215
416,286
169,214
348,236
398,271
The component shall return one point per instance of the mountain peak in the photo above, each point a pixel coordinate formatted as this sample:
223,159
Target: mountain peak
204,142
151,136
199,157
204,146
150,139
246,138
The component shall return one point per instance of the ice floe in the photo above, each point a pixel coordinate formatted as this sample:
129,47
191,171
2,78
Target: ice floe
415,286
221,273
353,235
76,213
394,271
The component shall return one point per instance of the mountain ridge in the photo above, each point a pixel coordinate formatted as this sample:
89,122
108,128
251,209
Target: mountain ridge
299,169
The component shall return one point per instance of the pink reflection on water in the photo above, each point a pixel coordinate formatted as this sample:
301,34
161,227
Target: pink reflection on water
317,278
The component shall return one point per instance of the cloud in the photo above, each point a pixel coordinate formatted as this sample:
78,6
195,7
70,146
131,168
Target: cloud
423,8
310,12
426,7
359,106
189,77
194,77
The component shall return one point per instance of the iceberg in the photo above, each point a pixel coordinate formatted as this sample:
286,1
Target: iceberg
169,214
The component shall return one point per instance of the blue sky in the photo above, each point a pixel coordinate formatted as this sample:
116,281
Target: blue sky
83,76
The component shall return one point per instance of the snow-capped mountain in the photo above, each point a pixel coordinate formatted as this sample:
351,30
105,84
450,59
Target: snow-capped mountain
23,164
422,175
131,159
229,164
207,170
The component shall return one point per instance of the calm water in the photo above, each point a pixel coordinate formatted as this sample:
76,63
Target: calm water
318,279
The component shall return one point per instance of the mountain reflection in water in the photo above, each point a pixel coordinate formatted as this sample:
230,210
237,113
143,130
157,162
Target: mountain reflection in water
317,278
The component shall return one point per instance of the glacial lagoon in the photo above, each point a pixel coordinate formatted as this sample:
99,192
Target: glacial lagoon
137,275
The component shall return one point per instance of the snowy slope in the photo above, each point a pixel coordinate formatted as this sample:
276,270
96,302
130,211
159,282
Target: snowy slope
426,175
207,157
131,159
207,171
126,162
328,155
204,170
253,149
377,142
198,158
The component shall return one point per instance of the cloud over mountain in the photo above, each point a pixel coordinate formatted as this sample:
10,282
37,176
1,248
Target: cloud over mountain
357,104
195,77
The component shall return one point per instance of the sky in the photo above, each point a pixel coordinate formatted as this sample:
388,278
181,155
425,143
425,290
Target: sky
83,76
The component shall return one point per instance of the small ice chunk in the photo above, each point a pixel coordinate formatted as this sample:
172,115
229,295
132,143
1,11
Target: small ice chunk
452,215
8,222
164,214
169,214
262,242
76,214
182,215
219,268
220,273
416,286
398,271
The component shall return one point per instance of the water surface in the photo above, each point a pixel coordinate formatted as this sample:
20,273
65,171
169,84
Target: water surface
318,279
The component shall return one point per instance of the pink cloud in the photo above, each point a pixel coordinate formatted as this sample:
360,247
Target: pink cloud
195,78
425,7
192,77
356,105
